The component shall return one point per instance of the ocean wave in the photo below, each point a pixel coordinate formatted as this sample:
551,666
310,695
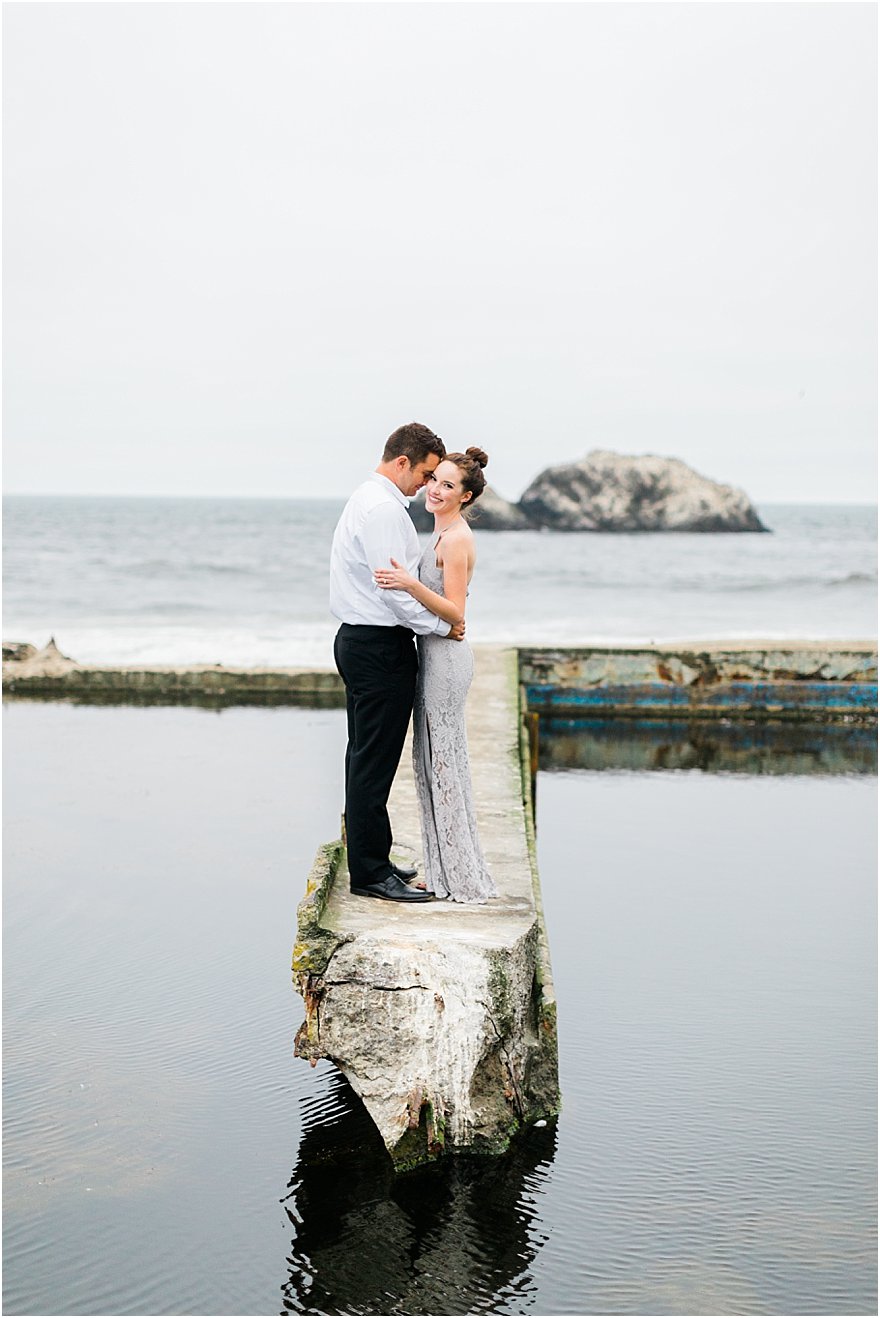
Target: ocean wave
570,580
185,568
854,579
777,584
165,608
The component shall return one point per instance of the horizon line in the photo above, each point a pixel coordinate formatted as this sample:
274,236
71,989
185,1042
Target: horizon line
128,494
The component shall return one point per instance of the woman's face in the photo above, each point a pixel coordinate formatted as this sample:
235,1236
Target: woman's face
444,492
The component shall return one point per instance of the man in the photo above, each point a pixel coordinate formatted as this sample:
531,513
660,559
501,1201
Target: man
375,651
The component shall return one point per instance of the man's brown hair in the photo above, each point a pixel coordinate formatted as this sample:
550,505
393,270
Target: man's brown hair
413,441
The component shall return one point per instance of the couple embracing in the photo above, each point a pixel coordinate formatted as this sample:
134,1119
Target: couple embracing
401,652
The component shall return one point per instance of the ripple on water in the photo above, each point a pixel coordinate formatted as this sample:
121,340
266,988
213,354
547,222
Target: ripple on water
165,1153
454,1238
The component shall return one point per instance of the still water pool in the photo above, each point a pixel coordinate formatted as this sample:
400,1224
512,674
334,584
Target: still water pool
713,940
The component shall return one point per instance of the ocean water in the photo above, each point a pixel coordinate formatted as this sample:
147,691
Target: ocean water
713,937
244,581
711,908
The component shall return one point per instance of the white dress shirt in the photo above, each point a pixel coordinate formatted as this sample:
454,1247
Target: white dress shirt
374,528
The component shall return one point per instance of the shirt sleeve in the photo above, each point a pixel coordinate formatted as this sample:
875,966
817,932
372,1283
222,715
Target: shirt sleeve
382,540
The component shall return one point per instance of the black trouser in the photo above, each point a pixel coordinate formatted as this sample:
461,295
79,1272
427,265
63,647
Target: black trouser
378,666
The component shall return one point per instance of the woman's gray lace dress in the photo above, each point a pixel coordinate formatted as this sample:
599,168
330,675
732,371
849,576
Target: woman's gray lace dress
454,864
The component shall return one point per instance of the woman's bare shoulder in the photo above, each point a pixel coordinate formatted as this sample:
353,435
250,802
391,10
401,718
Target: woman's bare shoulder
460,534
456,543
458,548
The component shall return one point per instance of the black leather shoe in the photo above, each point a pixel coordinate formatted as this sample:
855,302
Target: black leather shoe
393,890
404,872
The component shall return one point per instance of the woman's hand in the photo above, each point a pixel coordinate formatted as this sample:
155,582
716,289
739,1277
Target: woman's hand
394,577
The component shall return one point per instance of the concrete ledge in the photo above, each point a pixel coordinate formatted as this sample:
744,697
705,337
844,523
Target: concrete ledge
755,679
800,680
47,674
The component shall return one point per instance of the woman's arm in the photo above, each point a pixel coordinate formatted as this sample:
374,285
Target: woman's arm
455,572
450,606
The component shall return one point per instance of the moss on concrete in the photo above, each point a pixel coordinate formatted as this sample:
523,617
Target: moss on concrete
314,947
501,992
542,1078
422,1143
316,944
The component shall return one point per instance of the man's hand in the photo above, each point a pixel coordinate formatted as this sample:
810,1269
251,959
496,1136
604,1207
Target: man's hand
456,632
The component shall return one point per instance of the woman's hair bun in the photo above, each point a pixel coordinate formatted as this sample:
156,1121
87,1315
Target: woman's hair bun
478,456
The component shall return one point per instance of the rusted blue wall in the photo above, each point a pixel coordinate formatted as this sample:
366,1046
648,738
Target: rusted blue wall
806,680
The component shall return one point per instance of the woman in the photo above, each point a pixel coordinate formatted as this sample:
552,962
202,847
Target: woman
454,864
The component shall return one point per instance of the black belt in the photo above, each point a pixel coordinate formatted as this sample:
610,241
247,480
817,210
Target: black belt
367,629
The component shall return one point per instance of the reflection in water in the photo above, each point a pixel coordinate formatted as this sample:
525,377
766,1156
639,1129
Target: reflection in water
714,957
231,698
456,1237
712,745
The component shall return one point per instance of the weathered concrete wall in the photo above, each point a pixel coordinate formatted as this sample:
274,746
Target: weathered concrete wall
48,674
806,679
441,1016
799,679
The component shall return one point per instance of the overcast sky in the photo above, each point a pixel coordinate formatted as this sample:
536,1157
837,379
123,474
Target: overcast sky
244,242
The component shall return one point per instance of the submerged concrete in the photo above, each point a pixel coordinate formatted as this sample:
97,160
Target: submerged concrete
442,1016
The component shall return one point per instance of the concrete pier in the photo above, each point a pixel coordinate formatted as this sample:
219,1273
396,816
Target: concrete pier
441,1016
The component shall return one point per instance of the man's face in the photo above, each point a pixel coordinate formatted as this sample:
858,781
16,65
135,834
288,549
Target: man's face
414,477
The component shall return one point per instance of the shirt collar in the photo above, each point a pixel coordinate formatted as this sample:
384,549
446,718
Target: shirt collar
389,485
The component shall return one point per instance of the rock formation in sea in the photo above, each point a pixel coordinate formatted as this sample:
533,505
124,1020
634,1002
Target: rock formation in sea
490,513
612,492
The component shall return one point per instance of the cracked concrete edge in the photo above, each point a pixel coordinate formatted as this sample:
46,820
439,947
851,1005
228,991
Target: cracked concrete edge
315,945
514,1081
175,684
545,1005
860,645
699,665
